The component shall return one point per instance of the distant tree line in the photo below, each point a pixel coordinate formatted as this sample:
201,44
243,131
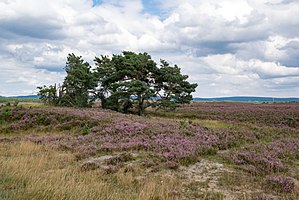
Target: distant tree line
125,82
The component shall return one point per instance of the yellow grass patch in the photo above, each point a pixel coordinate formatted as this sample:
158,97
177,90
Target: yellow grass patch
31,171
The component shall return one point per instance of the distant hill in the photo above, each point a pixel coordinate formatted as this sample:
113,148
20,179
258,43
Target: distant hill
248,99
26,97
19,98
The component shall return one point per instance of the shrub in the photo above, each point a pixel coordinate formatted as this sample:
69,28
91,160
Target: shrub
6,113
281,183
85,129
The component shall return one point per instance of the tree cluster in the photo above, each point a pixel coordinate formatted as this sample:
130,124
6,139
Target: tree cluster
128,82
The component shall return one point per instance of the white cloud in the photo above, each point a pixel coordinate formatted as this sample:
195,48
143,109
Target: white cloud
229,47
18,78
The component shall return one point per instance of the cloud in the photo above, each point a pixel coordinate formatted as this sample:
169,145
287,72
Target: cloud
229,47
291,51
29,27
230,64
19,78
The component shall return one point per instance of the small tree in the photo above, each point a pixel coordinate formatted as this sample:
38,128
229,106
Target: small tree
48,94
173,87
76,87
78,83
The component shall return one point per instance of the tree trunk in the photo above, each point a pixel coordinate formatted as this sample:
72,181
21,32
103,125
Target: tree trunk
140,106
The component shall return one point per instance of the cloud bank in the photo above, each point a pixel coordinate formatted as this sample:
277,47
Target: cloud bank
228,47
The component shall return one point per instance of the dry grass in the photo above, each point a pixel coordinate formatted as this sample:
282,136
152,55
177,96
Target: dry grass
31,171
32,104
26,104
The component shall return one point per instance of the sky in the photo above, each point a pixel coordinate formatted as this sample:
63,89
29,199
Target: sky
227,47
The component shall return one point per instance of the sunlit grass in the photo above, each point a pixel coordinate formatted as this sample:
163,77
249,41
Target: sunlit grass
31,171
32,104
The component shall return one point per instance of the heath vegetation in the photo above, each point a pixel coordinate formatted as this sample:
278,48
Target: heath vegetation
86,141
200,151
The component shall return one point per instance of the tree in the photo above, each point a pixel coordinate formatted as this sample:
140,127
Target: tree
104,75
133,80
78,83
128,79
128,82
173,87
76,88
48,94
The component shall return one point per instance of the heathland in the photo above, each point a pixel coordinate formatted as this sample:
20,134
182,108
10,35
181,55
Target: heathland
200,151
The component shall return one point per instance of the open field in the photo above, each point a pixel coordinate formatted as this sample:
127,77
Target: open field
200,151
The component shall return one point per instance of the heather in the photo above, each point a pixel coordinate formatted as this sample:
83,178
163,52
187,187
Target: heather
111,131
281,183
270,114
267,158
200,151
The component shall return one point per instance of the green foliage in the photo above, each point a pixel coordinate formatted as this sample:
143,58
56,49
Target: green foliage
48,94
133,81
208,151
291,120
16,102
5,116
78,82
183,124
85,129
5,112
76,87
3,122
128,82
173,87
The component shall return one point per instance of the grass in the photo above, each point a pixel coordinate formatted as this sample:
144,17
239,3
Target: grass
31,171
211,124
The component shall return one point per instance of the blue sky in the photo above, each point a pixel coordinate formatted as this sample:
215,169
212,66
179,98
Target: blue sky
149,6
228,47
96,2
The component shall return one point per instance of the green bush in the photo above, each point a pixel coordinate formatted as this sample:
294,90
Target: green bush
85,129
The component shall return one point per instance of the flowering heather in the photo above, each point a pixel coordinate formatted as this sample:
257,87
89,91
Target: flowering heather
166,140
277,114
267,158
111,131
59,118
175,146
126,127
257,163
284,149
281,183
